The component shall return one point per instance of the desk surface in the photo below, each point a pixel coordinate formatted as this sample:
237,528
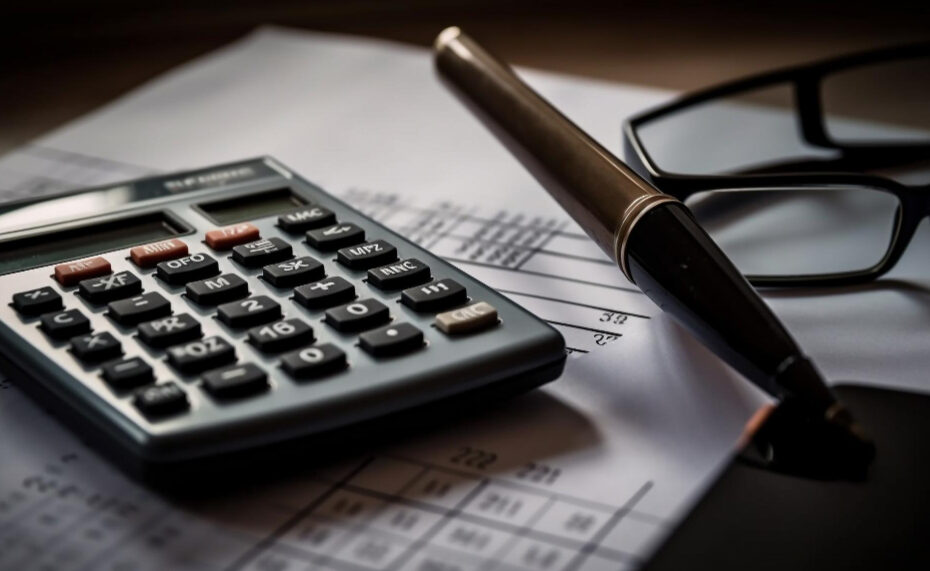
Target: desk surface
65,59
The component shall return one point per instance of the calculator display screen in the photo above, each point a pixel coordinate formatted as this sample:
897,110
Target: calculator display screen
82,240
251,206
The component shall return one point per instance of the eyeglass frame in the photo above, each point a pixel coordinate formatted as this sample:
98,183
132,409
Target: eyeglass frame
806,80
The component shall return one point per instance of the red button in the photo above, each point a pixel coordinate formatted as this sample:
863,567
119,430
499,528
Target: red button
148,255
226,238
71,273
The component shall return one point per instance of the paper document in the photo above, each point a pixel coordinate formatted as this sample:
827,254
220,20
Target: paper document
587,474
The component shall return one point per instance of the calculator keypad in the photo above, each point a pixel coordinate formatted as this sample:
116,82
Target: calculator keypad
281,335
37,301
325,293
65,324
96,346
128,374
217,290
294,272
170,330
314,362
141,308
358,315
247,312
187,269
289,309
198,356
262,252
110,287
334,237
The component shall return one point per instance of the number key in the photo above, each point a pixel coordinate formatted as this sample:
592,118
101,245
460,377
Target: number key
314,362
281,335
358,315
247,312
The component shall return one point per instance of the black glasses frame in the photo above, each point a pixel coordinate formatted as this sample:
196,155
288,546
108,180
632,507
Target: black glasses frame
850,157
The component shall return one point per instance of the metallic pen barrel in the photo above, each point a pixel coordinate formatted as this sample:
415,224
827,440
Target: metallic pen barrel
653,237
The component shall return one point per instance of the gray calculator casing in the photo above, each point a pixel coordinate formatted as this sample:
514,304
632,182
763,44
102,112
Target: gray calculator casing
520,352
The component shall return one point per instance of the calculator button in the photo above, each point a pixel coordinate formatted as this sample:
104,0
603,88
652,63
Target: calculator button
213,291
96,346
71,273
391,340
325,293
358,315
128,373
65,324
335,237
226,238
313,362
108,288
235,382
293,272
187,269
161,400
170,330
435,296
281,335
248,312
138,309
147,255
406,273
367,255
198,356
261,252
306,218
37,301
468,319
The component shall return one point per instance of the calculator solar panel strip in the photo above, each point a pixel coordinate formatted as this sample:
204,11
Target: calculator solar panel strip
227,410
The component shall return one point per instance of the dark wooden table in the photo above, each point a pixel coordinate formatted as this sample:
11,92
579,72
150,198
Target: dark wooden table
63,58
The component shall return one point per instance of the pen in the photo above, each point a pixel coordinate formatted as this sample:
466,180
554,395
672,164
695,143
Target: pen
659,247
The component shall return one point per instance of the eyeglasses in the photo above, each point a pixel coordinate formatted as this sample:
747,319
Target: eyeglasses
814,175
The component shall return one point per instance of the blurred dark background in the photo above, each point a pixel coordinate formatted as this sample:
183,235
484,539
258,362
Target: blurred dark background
63,58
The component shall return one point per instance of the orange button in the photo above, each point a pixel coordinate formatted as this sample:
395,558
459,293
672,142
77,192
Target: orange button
226,238
71,273
148,255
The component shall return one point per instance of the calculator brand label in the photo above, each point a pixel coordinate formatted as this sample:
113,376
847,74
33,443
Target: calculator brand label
212,178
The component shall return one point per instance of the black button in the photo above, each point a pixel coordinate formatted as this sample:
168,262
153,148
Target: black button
201,355
335,237
325,293
367,255
219,289
281,335
391,340
314,362
306,218
96,346
137,309
128,373
108,288
248,312
37,301
358,315
261,252
170,330
405,273
235,382
161,400
293,272
436,296
187,269
65,324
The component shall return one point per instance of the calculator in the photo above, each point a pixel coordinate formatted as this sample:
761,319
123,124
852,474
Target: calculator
207,312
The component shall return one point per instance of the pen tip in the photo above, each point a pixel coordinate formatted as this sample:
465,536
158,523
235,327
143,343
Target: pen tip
446,36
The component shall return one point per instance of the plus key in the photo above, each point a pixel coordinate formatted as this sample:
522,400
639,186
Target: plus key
325,293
